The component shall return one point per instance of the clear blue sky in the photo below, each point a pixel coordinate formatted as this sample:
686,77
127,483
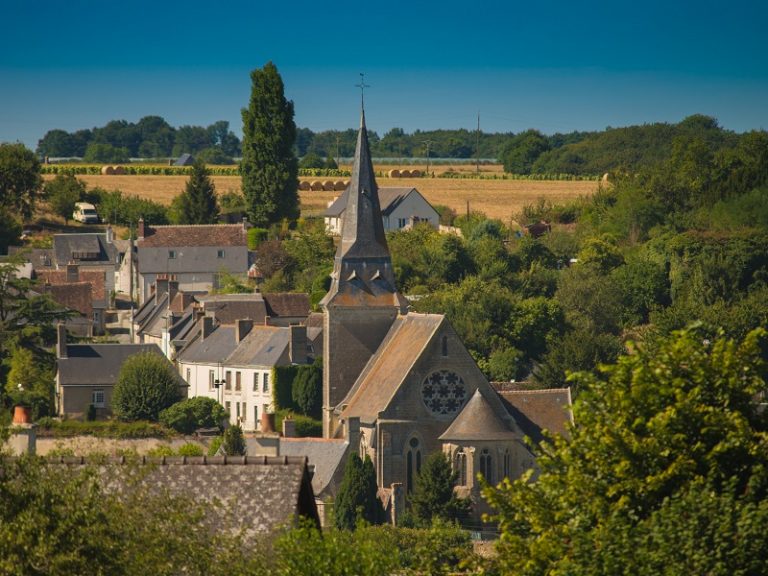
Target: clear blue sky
557,65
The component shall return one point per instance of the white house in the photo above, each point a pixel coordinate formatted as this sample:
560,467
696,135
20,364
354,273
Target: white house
400,208
232,363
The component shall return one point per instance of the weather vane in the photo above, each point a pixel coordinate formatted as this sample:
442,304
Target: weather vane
362,87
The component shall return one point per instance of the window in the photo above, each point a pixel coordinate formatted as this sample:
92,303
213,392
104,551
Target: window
256,415
228,408
412,463
255,381
507,463
237,407
245,411
237,382
189,375
211,378
445,346
220,254
486,465
228,381
401,222
97,398
171,254
460,466
265,382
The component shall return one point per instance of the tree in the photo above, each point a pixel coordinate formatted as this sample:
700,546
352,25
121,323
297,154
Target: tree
30,382
523,151
233,441
146,385
311,160
307,388
99,152
665,468
357,497
198,201
20,180
269,166
433,496
62,193
193,413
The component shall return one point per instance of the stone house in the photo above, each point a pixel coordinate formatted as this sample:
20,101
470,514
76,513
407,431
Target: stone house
81,291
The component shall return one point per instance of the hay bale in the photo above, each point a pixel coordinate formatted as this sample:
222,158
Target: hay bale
416,173
118,170
405,173
304,185
394,173
605,177
316,186
339,185
329,185
107,170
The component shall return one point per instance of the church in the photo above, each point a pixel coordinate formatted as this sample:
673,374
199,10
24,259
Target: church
399,385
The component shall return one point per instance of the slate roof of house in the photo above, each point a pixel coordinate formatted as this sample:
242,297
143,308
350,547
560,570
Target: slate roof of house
263,346
539,410
389,199
193,235
68,247
327,457
254,494
228,308
40,258
184,160
390,365
216,347
75,296
95,278
97,364
294,304
478,421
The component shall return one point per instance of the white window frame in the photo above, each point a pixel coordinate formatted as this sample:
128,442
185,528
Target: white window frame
98,398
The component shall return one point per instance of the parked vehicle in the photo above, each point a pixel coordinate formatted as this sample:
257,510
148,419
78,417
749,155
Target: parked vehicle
85,213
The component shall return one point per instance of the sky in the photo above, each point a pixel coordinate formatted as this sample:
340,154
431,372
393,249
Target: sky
553,65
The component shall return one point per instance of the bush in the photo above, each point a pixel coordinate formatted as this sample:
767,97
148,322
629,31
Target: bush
255,237
233,441
49,427
215,445
306,427
190,449
193,413
146,385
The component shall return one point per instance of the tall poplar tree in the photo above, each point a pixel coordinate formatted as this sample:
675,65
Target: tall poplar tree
269,166
197,204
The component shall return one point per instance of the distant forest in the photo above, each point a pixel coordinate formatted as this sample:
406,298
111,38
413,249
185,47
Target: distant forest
628,149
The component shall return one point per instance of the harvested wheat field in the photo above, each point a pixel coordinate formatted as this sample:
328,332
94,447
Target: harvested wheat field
496,198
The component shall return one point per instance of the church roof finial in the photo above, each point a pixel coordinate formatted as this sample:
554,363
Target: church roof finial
362,87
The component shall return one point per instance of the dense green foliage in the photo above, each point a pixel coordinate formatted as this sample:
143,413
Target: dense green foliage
146,385
116,208
433,496
20,180
665,469
197,204
62,193
357,500
307,388
269,166
102,429
233,441
193,413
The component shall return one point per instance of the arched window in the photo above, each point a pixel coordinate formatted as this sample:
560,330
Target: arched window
363,447
445,346
507,463
486,465
412,463
460,466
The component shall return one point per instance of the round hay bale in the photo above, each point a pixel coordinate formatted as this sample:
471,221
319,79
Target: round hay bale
316,186
118,170
394,173
339,185
416,173
107,170
329,185
605,177
305,185
405,173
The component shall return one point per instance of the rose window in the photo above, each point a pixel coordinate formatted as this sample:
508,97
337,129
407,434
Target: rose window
443,393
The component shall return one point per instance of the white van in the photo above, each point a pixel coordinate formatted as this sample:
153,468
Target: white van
85,213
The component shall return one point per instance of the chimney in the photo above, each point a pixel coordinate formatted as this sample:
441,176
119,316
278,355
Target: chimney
246,224
110,235
289,428
161,287
61,340
353,431
298,345
242,327
73,274
207,328
140,230
173,288
267,422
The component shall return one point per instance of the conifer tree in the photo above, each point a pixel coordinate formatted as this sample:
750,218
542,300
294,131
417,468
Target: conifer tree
357,495
433,495
197,204
269,167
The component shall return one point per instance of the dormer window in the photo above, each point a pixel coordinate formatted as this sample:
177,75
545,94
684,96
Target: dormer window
171,254
220,254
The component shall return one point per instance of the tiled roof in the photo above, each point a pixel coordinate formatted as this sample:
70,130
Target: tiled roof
538,410
391,364
97,364
94,277
255,495
228,308
478,421
76,296
287,304
193,235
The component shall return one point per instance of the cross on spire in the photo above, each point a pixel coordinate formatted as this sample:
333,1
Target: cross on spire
362,87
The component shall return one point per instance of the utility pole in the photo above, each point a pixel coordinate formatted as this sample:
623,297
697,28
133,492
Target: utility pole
477,144
338,158
427,143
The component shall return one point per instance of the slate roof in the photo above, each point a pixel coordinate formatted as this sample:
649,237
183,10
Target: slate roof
216,347
97,364
263,346
389,200
193,235
390,365
184,160
326,455
228,308
95,278
539,410
254,494
295,304
68,247
478,421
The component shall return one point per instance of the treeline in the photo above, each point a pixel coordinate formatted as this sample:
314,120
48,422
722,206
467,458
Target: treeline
150,137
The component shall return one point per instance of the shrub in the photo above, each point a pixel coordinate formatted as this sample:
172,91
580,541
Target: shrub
193,413
255,237
146,385
190,449
233,441
215,445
